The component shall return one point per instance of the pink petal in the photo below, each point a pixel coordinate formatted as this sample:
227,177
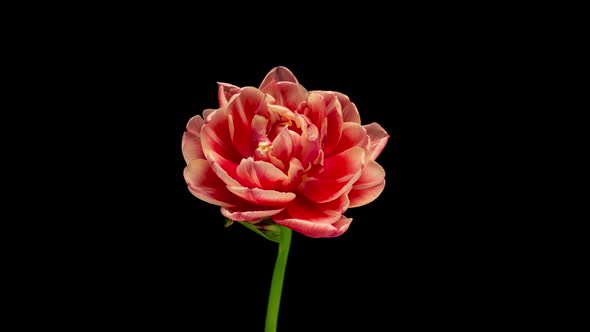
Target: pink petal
261,196
378,139
194,125
365,196
191,147
205,185
343,165
286,94
191,140
316,108
349,110
241,214
330,212
372,175
208,113
353,134
260,174
278,74
334,129
293,175
286,144
216,142
340,172
223,175
225,92
315,230
241,111
310,144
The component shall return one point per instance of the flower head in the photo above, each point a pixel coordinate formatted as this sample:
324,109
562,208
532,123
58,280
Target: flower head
280,152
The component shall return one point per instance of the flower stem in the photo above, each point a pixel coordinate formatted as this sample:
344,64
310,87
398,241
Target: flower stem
276,286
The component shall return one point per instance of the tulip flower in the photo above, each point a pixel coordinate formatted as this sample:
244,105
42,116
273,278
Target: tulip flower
279,158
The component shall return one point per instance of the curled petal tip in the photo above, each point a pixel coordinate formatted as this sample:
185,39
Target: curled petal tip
278,74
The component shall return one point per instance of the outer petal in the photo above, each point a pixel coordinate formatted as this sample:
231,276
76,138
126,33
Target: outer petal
241,113
340,172
261,196
353,134
365,196
315,230
378,138
244,214
287,94
349,111
326,213
260,174
191,140
373,174
216,143
286,144
278,74
205,185
369,186
225,92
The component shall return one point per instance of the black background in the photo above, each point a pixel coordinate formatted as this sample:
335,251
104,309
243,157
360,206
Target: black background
141,251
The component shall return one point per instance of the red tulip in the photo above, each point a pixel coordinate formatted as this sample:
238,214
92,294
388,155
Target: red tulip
280,152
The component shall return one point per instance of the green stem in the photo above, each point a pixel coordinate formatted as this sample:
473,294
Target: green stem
276,286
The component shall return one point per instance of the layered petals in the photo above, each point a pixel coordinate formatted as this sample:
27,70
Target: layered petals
191,140
281,154
378,138
315,230
247,213
278,74
205,185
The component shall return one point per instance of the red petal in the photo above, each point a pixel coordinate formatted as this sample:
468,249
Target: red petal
241,111
205,185
286,94
225,92
191,140
373,174
242,214
365,196
340,172
353,134
261,196
215,141
349,111
315,230
378,139
278,74
260,174
286,144
330,212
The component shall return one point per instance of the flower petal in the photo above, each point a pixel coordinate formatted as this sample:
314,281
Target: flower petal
373,174
214,141
286,144
365,196
225,91
312,229
191,140
340,173
278,74
349,111
353,134
286,94
260,174
261,196
378,138
241,111
329,212
205,185
241,214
